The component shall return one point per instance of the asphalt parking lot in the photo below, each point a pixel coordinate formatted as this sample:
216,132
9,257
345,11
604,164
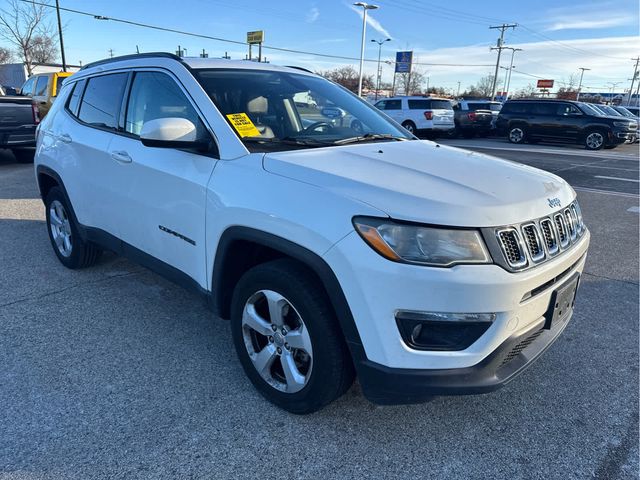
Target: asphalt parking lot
113,372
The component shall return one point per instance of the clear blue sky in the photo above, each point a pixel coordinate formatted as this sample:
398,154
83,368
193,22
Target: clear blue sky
557,37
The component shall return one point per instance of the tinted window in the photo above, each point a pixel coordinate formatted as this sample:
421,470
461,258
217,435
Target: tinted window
441,105
568,109
419,104
381,105
41,86
27,88
393,105
544,108
494,107
101,100
516,107
74,98
156,95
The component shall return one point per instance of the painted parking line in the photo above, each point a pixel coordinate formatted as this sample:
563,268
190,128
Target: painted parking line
634,209
606,192
591,165
617,178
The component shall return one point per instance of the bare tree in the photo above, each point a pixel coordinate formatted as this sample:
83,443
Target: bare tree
483,88
6,55
528,91
411,83
348,77
20,24
44,48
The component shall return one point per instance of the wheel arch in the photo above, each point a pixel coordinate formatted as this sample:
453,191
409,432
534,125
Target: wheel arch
241,248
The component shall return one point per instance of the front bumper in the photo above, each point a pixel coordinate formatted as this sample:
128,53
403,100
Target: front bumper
385,386
390,371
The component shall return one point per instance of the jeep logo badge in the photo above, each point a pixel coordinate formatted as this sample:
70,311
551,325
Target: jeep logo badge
554,202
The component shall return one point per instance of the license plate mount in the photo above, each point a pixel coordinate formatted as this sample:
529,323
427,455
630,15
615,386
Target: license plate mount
562,302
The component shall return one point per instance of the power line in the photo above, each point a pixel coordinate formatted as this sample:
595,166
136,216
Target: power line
237,42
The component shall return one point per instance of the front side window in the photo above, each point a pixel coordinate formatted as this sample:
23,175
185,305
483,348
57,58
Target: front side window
567,109
282,110
41,86
156,95
101,100
27,88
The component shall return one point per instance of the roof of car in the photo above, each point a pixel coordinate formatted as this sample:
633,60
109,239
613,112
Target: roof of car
518,100
189,62
416,97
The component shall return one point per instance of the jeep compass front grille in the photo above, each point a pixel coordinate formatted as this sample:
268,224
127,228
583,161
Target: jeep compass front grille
529,243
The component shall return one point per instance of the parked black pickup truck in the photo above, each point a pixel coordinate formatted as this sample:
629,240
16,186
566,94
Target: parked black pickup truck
536,120
18,121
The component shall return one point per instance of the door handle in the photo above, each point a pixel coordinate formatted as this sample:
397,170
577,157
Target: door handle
120,156
65,137
43,103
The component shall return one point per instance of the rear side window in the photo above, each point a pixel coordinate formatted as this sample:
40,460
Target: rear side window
516,107
494,107
419,104
544,109
393,105
101,100
41,86
74,98
441,105
156,95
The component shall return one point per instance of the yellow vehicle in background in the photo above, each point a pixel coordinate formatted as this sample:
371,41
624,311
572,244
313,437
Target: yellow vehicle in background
43,88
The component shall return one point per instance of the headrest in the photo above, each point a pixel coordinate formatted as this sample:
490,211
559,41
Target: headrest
258,105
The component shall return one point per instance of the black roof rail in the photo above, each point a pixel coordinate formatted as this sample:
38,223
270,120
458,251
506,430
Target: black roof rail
132,56
299,68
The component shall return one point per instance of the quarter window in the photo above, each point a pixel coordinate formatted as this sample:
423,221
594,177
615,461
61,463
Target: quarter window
156,95
101,100
41,86
74,98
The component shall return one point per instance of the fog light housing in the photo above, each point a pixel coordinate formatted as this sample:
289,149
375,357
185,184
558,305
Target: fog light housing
442,331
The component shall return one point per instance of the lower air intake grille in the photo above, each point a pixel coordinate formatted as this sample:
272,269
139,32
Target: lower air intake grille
517,350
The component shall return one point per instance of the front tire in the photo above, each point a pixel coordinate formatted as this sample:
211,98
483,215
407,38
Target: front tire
65,238
594,140
287,337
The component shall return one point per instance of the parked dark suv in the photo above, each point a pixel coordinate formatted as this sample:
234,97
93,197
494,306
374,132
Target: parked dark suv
563,120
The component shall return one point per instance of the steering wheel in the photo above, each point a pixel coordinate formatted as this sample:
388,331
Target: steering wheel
316,125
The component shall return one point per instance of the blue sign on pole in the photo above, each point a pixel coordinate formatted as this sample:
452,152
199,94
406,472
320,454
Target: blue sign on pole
403,62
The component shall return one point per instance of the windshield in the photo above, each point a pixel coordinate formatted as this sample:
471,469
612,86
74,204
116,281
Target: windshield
272,110
590,110
625,112
610,111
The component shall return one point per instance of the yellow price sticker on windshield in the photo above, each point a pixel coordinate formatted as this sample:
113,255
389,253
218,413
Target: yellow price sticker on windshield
243,125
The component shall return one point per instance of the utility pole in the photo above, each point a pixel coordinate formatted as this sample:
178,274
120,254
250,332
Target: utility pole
204,54
633,79
110,52
64,61
580,84
499,47
458,94
137,49
613,89
226,55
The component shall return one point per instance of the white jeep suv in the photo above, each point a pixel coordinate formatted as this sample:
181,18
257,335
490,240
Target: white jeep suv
334,251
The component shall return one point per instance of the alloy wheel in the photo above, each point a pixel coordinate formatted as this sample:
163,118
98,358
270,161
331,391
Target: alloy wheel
516,135
60,228
277,341
595,140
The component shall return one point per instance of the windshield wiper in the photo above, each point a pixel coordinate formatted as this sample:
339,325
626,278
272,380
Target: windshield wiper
286,141
369,137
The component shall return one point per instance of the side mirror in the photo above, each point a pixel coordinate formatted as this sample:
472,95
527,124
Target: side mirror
171,132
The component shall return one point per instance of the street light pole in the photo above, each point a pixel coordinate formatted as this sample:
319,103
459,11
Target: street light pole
511,67
378,72
580,84
365,7
64,61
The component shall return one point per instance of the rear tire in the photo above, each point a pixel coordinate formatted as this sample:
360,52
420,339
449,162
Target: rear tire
468,134
274,306
517,134
71,250
409,126
595,140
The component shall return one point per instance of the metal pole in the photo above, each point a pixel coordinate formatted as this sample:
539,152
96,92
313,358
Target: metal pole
633,79
508,85
458,94
260,52
393,85
378,71
64,61
506,73
364,29
580,84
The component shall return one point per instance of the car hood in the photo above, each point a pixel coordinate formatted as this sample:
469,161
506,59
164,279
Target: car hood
426,182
